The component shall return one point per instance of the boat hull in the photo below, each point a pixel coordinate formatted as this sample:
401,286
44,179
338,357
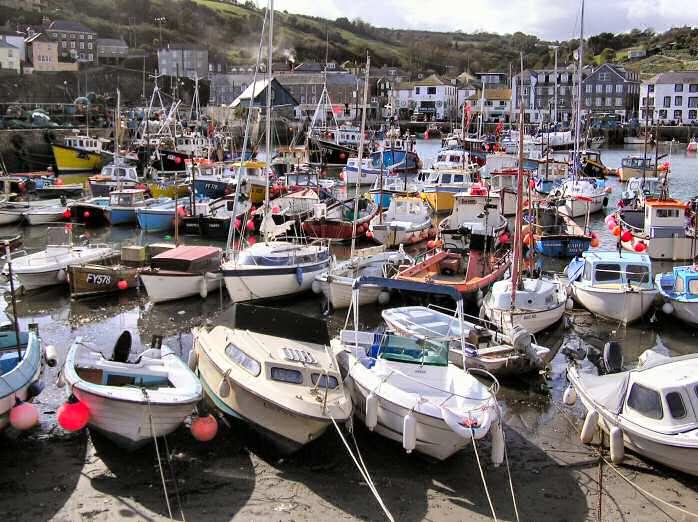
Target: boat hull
91,280
667,248
69,159
163,287
338,292
623,306
562,246
532,321
578,208
394,236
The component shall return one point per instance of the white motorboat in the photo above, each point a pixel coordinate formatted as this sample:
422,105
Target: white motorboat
649,410
336,282
14,212
286,390
183,271
406,390
503,188
581,196
20,368
617,286
48,267
679,290
131,398
408,220
484,348
539,303
46,214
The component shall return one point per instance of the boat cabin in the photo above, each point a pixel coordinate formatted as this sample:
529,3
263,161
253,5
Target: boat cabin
683,282
442,177
189,259
637,163
127,198
405,208
83,143
665,218
375,347
451,159
505,179
120,173
611,269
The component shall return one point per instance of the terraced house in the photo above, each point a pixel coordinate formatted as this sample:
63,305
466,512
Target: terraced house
76,42
672,97
611,89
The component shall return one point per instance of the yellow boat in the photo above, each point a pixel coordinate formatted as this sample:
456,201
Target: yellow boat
256,179
167,190
69,159
441,185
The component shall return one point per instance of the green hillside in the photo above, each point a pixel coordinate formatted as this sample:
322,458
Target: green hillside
231,31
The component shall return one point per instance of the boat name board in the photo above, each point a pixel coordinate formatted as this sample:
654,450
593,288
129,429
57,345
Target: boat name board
99,279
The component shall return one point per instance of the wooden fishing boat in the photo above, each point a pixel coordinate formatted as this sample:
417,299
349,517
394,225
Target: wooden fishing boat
408,220
131,398
91,279
337,221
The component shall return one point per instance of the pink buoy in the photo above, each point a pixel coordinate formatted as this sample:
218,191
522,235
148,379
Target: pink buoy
204,429
122,285
24,416
73,415
250,225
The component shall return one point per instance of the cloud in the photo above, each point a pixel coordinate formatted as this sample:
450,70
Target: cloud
547,19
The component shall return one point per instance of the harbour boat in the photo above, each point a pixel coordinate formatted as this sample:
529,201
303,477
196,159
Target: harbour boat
288,391
639,189
578,197
613,285
44,215
338,222
123,205
289,159
183,271
336,282
591,164
692,145
485,347
647,410
476,220
439,187
503,187
406,390
50,189
255,177
78,153
555,234
14,212
368,174
212,180
131,398
91,212
452,159
386,188
407,221
660,229
295,207
160,217
115,176
212,218
679,291
635,167
20,369
107,277
49,267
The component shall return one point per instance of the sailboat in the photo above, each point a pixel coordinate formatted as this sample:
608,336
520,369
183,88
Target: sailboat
523,302
271,268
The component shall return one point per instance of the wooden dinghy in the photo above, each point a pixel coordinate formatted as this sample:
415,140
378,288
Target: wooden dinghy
93,279
131,398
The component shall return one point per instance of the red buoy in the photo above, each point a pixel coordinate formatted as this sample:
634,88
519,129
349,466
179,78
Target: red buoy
626,236
250,225
23,415
73,415
205,428
122,285
86,214
66,213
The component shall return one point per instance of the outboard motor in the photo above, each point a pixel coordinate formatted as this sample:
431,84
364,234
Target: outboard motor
522,341
613,357
122,348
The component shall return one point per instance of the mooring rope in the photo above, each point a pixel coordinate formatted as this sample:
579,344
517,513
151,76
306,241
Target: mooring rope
157,452
482,475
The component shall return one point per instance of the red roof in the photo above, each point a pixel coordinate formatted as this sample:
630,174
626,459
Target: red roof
189,253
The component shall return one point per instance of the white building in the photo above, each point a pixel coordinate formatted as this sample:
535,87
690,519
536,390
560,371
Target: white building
432,96
187,60
494,103
671,97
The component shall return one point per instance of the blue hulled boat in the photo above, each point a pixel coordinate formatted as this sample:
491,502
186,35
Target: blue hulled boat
557,235
679,290
161,217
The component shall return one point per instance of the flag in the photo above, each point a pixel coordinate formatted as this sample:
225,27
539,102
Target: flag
469,114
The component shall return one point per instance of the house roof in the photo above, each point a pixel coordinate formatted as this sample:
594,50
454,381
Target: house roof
430,81
71,26
115,42
5,45
38,37
493,94
183,46
258,87
333,79
676,77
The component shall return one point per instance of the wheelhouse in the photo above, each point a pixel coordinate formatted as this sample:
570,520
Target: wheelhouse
610,269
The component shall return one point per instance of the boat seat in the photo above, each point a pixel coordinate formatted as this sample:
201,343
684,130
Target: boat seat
494,350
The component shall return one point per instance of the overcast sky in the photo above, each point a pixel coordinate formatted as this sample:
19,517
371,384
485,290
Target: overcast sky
548,19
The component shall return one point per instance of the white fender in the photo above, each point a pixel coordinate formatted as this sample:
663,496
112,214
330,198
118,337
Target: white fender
569,304
570,396
317,289
203,288
193,359
590,426
409,432
497,433
668,308
617,445
371,411
384,298
51,355
61,275
224,387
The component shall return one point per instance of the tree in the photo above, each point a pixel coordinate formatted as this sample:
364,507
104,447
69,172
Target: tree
607,55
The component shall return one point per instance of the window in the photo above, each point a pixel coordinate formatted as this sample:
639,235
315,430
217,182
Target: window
619,88
563,77
589,88
609,89
678,115
286,375
324,381
679,286
676,406
639,274
619,102
82,45
693,87
89,37
667,213
650,88
667,101
607,272
243,360
662,113
431,90
678,100
64,44
678,87
416,90
692,115
693,101
587,101
72,45
599,88
607,102
563,90
598,101
645,401
72,36
89,45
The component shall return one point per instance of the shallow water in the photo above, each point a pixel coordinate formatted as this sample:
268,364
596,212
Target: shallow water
100,320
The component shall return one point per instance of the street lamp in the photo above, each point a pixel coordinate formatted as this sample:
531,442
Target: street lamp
160,20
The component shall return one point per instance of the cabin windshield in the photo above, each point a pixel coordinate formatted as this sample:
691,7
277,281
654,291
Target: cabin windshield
645,401
693,286
406,350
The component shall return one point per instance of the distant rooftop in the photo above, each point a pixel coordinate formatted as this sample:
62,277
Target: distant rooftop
70,26
676,77
115,42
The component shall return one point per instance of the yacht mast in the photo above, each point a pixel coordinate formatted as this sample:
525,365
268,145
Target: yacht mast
578,119
361,154
117,128
268,122
516,264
